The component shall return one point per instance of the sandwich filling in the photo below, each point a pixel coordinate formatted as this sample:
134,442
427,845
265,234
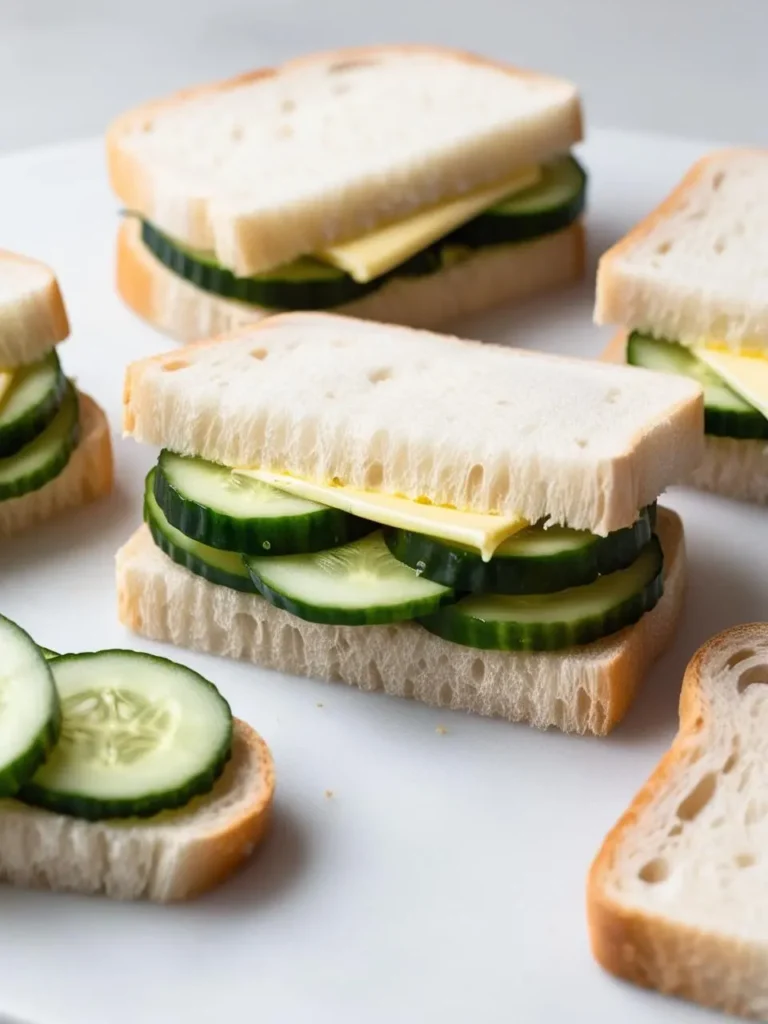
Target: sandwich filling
534,203
735,385
39,426
506,586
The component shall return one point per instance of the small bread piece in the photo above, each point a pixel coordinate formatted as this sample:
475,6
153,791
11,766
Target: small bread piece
173,856
493,276
697,266
86,477
285,161
32,315
676,896
733,467
585,690
324,397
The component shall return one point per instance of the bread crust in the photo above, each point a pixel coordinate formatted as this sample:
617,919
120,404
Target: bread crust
649,950
135,186
31,325
587,690
492,278
87,477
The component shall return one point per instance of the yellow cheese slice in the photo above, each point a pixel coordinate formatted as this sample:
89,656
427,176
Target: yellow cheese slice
6,379
477,530
746,374
374,254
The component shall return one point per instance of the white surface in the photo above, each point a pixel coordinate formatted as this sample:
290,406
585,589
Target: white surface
692,68
444,879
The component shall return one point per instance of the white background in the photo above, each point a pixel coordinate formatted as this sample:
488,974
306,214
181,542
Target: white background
687,67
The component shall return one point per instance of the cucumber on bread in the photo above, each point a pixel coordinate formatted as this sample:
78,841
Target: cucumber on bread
464,196
55,448
320,398
675,894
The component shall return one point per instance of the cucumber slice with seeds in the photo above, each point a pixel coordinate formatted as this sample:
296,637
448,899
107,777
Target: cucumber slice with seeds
726,414
214,506
31,403
538,560
30,719
553,203
551,622
139,735
45,457
358,584
224,568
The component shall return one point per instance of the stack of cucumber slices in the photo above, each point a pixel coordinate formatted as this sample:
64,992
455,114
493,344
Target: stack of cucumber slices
39,427
544,589
726,413
554,203
113,734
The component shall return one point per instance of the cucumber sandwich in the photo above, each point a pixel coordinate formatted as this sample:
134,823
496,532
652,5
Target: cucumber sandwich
403,184
466,524
55,450
687,286
123,773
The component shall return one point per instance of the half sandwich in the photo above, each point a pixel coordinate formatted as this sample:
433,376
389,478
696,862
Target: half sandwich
402,184
55,449
689,287
469,525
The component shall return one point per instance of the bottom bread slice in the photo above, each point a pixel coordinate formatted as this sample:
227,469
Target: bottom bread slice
584,690
732,467
173,856
494,275
87,476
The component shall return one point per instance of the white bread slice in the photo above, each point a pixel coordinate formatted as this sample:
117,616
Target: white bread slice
733,467
676,896
697,266
585,690
285,161
32,315
389,408
493,276
174,856
86,477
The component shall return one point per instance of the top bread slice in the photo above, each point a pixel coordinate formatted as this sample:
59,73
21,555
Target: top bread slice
32,315
479,427
285,161
677,895
697,267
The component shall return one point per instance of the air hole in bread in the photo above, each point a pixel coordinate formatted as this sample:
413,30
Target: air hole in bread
612,395
720,246
374,476
755,676
330,395
259,353
675,831
754,813
285,131
382,374
583,704
582,442
478,670
739,656
692,806
287,106
718,180
174,364
502,402
655,871
731,763
475,478
663,248
744,779
374,675
445,697
745,860
237,133
408,688
717,823
148,127
341,66
340,88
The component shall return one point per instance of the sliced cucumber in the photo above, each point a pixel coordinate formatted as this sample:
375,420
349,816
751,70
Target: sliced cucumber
726,414
538,560
31,403
45,457
211,504
358,584
139,735
307,283
225,568
556,201
550,622
30,718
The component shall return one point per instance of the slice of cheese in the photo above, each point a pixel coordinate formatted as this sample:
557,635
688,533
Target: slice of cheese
477,530
746,373
6,379
374,254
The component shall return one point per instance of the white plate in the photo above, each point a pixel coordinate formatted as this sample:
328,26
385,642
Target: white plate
443,879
